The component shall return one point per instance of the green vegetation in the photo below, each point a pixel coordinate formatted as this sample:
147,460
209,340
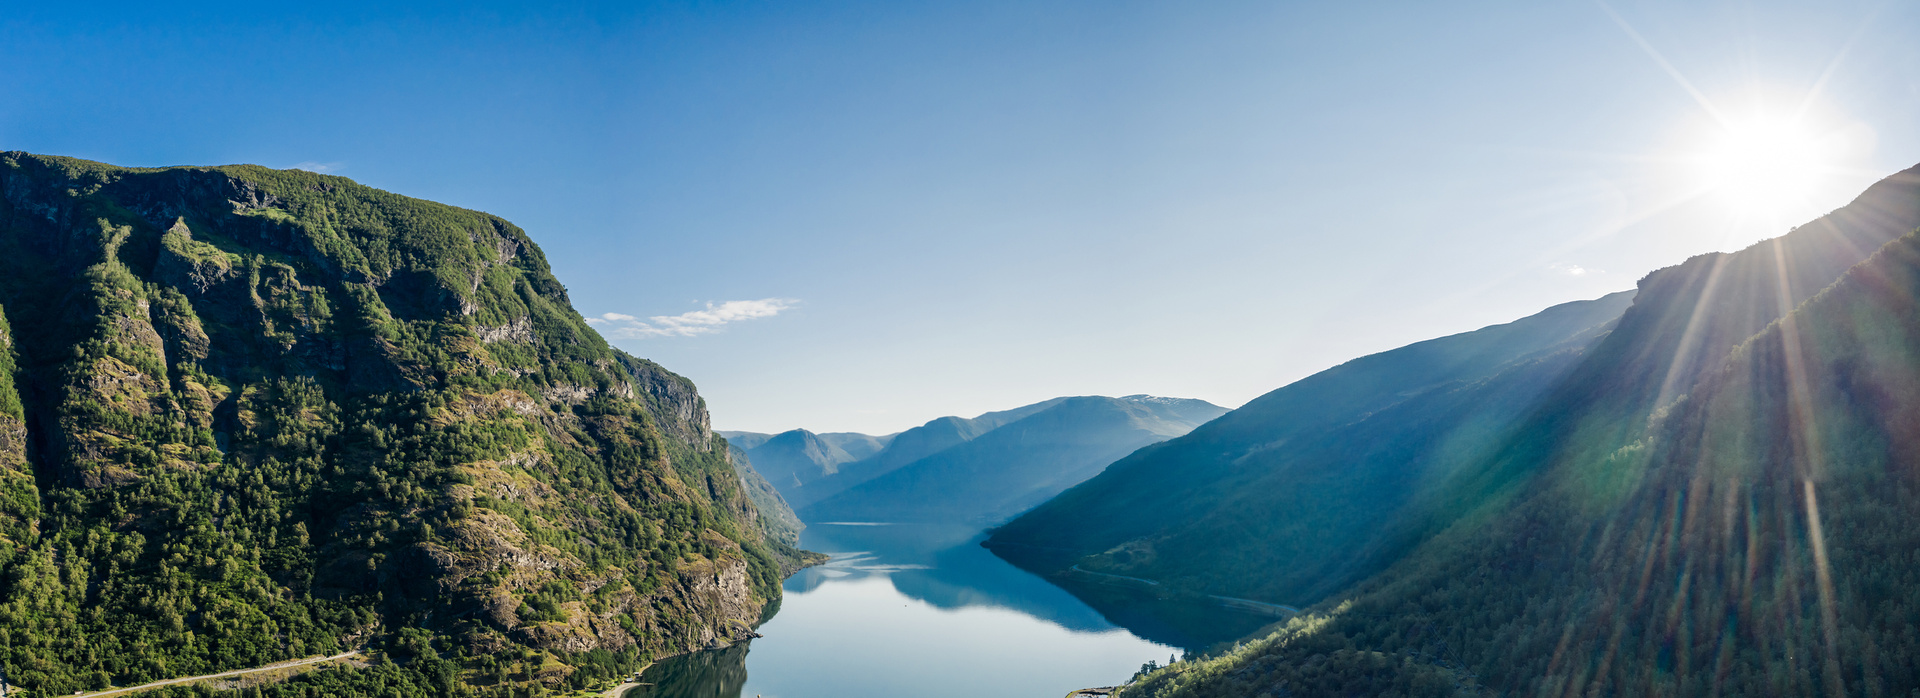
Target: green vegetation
251,415
777,520
1304,660
1343,455
1719,499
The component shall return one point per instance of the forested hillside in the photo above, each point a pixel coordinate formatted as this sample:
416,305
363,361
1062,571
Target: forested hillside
248,415
777,519
1719,500
1312,486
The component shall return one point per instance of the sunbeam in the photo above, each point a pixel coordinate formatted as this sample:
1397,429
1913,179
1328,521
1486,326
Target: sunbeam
1765,166
1770,157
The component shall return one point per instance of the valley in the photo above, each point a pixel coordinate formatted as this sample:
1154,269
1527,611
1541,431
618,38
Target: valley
1522,508
250,417
725,349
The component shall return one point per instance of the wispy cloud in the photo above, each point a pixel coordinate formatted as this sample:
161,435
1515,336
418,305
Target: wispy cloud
1572,269
688,324
321,167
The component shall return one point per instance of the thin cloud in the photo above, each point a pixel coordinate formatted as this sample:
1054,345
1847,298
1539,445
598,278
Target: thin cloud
1573,270
321,167
689,324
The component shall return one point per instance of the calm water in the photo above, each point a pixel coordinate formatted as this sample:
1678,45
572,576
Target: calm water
925,611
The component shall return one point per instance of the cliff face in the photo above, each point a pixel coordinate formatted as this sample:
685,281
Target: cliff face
681,414
19,498
675,403
251,414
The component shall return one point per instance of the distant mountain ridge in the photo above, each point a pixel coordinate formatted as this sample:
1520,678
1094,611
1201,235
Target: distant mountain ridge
1018,464
793,458
819,478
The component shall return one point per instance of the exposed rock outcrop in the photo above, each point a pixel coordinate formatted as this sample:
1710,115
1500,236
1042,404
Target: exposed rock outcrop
282,409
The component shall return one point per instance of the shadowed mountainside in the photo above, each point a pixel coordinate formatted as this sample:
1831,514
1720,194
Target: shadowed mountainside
1718,500
1306,488
776,518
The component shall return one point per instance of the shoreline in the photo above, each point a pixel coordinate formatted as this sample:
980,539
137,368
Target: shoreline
811,559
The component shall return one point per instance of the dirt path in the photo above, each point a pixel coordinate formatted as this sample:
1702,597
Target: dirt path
221,675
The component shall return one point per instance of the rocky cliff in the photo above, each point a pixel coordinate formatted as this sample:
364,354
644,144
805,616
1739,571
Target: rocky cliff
252,414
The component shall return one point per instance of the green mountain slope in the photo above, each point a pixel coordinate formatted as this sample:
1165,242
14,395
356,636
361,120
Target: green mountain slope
776,519
250,415
1017,464
1309,487
1693,511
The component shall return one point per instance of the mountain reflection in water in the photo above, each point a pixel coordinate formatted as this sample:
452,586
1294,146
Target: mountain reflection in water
924,610
721,672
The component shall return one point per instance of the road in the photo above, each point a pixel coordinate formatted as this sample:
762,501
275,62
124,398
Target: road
1227,601
221,675
622,688
1076,568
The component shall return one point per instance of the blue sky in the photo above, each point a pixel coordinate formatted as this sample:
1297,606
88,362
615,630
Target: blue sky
860,216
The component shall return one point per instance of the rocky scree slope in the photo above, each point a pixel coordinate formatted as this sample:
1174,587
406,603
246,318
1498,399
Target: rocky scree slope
248,415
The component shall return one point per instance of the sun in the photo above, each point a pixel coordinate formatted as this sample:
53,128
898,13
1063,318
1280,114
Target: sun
1763,166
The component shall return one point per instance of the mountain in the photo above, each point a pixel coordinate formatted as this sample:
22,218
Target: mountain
1719,499
777,520
798,457
809,467
248,415
855,446
794,458
1309,487
1015,464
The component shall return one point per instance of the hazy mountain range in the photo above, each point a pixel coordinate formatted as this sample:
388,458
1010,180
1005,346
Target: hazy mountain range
958,470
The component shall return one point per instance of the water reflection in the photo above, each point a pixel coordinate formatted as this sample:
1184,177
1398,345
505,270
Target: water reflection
721,672
924,610
945,566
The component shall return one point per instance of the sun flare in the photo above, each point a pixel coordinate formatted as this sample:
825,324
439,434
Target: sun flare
1765,166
